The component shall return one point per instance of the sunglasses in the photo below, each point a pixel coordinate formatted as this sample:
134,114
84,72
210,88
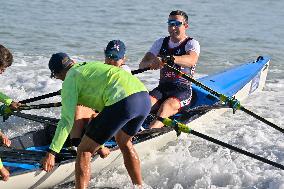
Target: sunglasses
175,23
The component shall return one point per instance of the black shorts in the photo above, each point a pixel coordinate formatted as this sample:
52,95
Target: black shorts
127,114
164,91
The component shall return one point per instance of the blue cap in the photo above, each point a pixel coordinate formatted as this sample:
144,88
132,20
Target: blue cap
58,62
115,50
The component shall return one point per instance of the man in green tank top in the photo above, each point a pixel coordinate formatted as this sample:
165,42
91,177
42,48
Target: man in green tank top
113,92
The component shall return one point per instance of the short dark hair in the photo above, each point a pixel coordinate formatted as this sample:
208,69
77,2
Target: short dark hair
6,58
181,13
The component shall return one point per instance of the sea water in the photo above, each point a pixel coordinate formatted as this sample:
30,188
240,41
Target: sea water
230,33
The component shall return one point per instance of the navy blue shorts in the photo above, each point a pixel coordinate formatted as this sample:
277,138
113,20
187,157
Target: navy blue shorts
127,114
164,91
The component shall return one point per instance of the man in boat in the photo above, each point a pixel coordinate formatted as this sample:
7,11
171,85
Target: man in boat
173,93
114,55
6,59
110,90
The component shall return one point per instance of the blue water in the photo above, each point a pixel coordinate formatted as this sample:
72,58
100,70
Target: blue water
230,32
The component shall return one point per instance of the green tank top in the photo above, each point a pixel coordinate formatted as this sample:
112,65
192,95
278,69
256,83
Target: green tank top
95,85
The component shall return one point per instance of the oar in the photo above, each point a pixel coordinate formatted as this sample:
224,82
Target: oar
186,129
13,155
40,106
48,95
40,119
33,117
139,70
231,101
206,108
33,99
29,156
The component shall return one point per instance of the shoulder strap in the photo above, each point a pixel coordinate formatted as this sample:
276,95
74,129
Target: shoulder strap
165,46
183,44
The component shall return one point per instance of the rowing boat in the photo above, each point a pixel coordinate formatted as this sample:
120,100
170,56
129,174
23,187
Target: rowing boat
23,157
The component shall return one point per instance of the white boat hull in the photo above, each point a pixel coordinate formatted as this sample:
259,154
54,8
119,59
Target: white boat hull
65,172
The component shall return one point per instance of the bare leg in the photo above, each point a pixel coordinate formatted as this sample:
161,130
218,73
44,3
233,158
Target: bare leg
168,108
4,174
82,116
130,156
82,167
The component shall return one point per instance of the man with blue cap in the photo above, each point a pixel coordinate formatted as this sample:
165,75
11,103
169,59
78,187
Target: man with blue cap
111,91
114,55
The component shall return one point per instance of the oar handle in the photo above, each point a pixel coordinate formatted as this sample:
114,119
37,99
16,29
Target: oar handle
139,70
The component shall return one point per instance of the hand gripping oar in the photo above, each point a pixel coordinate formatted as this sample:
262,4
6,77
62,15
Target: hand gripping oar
179,127
232,102
8,112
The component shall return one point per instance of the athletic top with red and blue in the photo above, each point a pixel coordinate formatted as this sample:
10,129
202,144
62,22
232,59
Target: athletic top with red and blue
167,47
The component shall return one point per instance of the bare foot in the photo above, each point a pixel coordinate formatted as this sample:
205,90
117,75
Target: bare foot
4,173
103,152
